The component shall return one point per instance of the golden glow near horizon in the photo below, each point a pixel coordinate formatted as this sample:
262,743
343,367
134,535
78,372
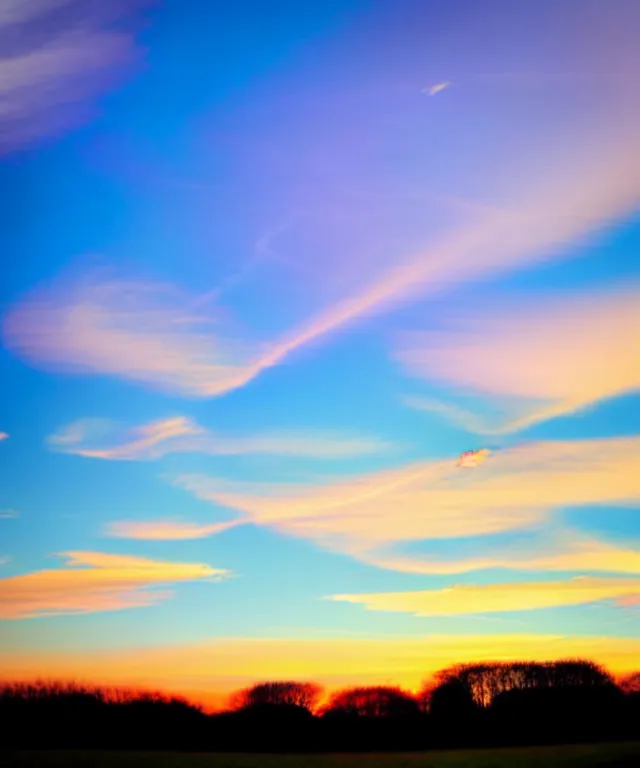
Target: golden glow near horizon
208,671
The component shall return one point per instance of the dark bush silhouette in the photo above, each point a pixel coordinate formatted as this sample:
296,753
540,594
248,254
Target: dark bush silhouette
292,694
465,705
484,682
379,702
567,713
374,718
451,700
630,684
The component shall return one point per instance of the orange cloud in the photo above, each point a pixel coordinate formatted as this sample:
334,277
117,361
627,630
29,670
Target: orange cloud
562,551
492,598
95,581
519,487
4,436
165,530
182,435
560,356
222,665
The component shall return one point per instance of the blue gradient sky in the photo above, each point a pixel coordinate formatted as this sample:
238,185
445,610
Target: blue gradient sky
257,227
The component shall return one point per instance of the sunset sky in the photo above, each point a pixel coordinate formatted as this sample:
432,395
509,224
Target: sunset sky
268,269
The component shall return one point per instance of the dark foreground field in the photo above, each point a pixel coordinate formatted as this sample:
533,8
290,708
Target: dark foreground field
574,756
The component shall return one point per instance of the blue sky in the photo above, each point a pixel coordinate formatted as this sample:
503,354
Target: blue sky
266,276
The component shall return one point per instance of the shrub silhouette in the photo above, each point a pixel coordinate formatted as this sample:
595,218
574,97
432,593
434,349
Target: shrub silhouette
451,700
465,705
484,682
630,684
288,693
380,702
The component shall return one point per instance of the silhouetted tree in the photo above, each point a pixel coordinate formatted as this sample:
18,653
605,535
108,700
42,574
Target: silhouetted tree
287,693
630,684
373,702
451,700
470,704
484,682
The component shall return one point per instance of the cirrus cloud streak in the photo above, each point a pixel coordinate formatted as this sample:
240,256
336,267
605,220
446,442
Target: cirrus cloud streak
58,56
157,336
86,437
563,356
517,488
498,598
95,581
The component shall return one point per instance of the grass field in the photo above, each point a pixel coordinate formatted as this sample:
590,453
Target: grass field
574,756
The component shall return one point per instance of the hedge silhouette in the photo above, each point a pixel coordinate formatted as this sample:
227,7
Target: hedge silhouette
471,704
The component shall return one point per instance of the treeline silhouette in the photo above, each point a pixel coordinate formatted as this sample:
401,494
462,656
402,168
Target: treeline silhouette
489,704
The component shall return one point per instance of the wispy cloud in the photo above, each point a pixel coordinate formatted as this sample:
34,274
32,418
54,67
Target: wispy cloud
492,598
566,174
165,530
4,436
7,514
95,581
57,57
557,550
153,334
536,362
433,89
90,438
517,488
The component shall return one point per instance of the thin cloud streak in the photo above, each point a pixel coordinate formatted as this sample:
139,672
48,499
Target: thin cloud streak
149,333
95,581
182,435
564,356
166,530
517,488
566,175
47,83
434,89
499,598
565,550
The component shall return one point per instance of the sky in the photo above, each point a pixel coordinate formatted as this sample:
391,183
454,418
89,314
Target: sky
268,270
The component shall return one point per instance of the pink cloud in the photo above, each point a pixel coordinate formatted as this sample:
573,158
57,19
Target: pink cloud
537,362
